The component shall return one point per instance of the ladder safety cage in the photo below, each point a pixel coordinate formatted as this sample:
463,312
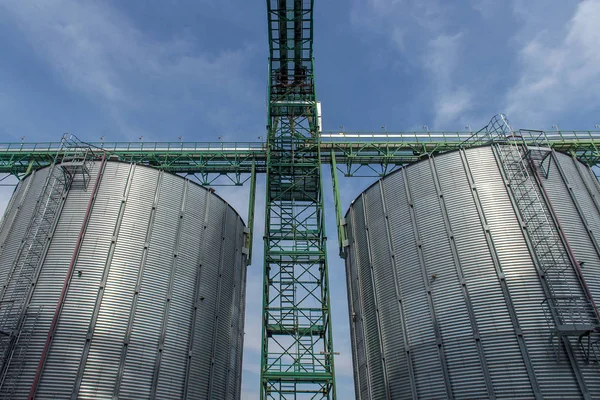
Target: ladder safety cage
69,170
568,305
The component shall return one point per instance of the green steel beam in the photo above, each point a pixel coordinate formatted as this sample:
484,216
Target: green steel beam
297,318
209,163
357,154
251,205
341,233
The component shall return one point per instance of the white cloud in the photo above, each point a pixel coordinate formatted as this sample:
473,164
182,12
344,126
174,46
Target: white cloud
487,8
98,52
443,55
420,31
81,41
559,76
398,18
452,105
442,59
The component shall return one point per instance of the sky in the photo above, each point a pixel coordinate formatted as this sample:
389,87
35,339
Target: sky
158,70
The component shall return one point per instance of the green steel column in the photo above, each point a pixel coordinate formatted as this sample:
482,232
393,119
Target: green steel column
338,204
297,346
251,204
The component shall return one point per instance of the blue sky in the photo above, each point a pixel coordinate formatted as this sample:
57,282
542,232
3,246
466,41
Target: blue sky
197,69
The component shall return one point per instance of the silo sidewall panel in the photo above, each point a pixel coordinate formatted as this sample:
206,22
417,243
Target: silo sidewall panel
464,317
154,306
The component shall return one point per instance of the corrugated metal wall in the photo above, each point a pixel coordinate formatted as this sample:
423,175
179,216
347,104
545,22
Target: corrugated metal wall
444,298
154,307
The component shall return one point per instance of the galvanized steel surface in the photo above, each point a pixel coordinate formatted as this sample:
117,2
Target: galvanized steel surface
444,298
154,308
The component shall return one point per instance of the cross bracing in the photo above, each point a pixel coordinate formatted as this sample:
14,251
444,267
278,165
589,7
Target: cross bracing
297,349
298,359
356,154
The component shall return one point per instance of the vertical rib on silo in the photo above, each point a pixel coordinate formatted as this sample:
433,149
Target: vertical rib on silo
360,365
419,220
192,368
353,314
577,220
164,382
463,384
96,264
372,363
376,252
67,281
137,257
402,364
551,265
512,372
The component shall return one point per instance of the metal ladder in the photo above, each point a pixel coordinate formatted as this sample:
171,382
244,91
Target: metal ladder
305,361
568,311
76,161
10,378
70,168
287,298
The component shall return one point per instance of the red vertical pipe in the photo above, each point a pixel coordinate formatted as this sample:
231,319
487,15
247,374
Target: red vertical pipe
63,293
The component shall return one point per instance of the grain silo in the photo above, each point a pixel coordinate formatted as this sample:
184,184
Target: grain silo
120,281
476,274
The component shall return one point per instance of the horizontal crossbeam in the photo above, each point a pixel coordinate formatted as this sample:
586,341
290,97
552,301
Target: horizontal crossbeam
357,154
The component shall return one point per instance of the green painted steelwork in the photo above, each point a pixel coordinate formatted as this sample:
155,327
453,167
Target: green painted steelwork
209,163
251,204
297,342
353,154
357,154
338,205
297,347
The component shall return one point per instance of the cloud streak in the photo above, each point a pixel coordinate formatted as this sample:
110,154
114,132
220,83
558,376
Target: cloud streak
559,76
97,52
420,32
451,100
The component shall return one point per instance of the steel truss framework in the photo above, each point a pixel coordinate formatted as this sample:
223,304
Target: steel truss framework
348,154
297,359
297,342
297,349
355,153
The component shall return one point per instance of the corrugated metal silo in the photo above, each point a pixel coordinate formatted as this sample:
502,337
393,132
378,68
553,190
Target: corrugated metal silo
139,293
447,298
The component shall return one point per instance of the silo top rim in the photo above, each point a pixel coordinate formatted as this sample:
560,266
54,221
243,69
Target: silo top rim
413,163
179,176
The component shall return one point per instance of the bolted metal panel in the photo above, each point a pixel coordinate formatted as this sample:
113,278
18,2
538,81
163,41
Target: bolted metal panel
356,317
22,202
142,316
575,200
466,319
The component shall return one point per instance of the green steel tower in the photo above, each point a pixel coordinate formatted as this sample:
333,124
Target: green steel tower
297,347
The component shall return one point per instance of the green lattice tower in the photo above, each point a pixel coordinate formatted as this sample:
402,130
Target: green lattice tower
297,347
